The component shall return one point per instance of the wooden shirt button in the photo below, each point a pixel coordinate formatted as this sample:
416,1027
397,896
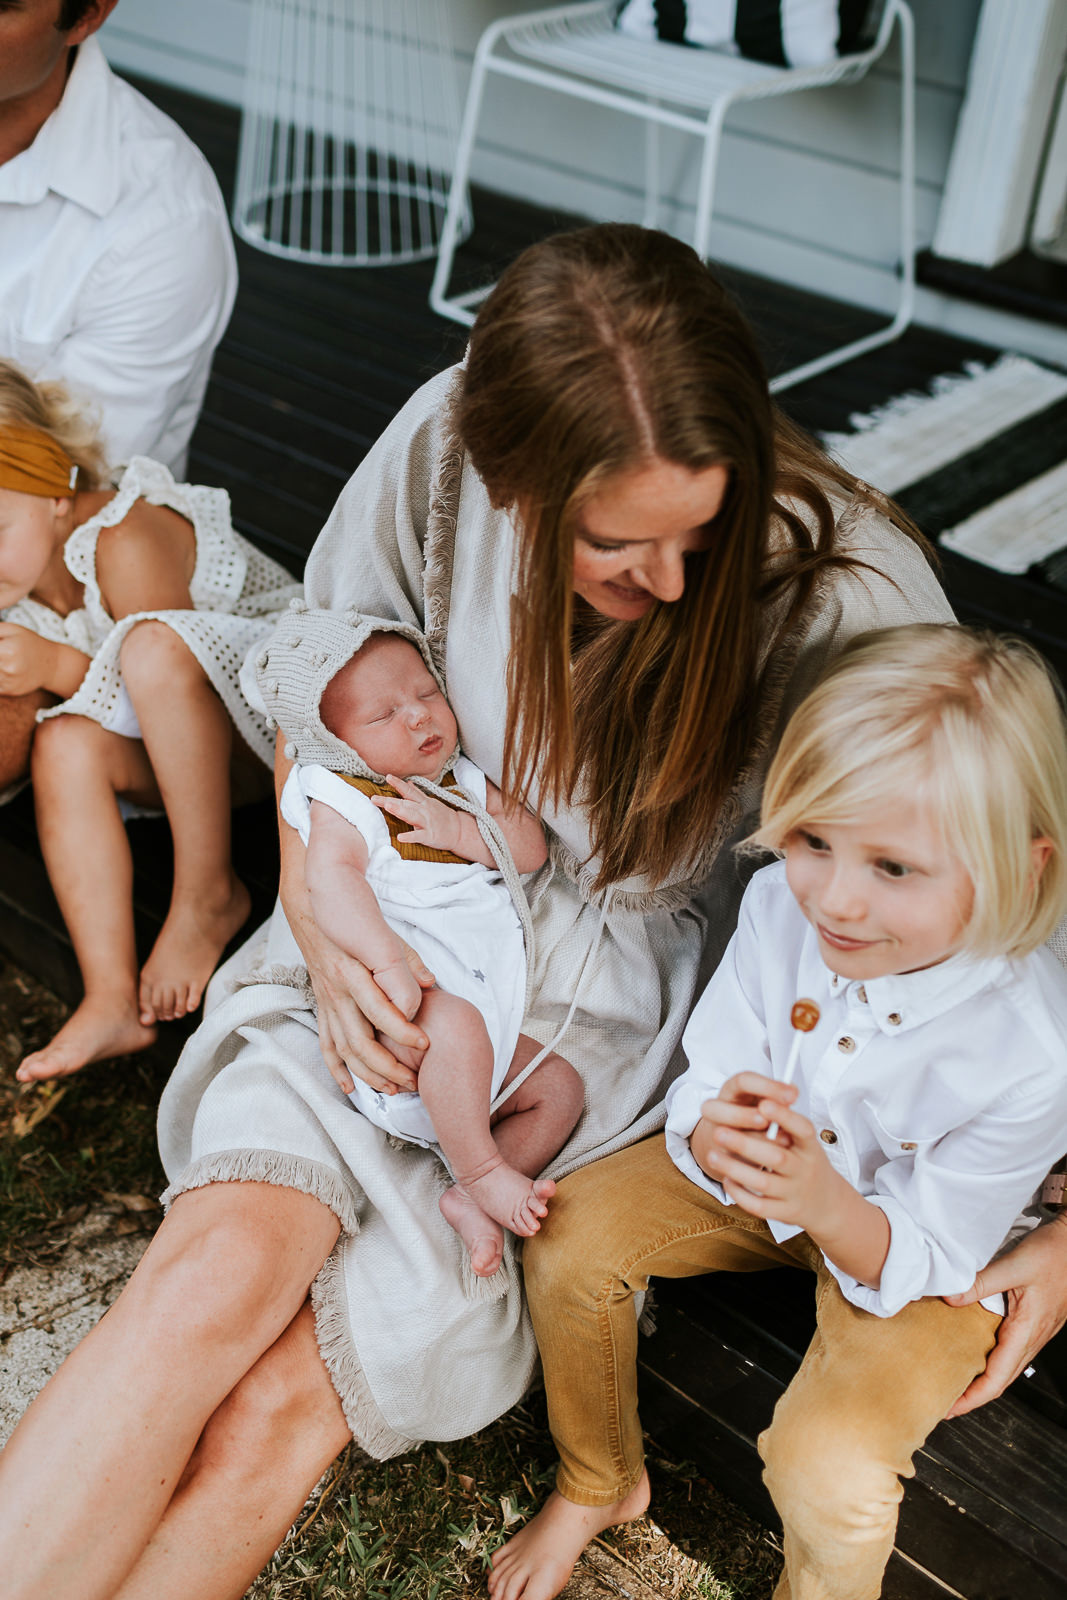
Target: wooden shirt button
828,1136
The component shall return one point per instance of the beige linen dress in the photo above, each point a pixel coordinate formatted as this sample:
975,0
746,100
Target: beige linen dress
417,1347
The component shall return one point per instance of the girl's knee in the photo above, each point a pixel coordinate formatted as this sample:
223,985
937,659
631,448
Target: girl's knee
64,741
151,653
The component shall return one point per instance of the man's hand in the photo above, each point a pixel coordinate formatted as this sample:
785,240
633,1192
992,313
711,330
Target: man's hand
1033,1276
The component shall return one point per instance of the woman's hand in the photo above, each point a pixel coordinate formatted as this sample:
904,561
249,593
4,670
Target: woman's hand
1033,1276
350,1007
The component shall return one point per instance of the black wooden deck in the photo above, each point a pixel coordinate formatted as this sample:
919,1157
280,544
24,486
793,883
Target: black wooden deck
315,363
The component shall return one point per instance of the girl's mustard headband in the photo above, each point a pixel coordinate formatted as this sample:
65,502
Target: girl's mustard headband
33,463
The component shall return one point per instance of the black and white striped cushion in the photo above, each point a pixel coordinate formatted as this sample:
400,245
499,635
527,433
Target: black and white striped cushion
784,33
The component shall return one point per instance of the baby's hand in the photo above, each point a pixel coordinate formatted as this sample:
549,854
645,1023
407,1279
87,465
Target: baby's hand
26,660
431,823
398,982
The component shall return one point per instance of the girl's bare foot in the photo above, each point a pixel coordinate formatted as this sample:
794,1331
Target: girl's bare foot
537,1562
103,1025
187,951
483,1237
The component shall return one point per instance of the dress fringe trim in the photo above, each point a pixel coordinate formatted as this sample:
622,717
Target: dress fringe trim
333,1331
440,542
270,1166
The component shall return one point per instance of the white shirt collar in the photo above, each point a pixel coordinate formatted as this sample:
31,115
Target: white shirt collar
906,1000
76,152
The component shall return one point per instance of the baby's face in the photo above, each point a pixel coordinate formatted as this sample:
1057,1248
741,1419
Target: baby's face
386,705
883,893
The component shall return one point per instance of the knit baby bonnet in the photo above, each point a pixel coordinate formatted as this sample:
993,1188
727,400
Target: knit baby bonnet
307,649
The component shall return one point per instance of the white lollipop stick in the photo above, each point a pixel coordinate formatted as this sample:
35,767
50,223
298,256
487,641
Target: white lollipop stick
803,1017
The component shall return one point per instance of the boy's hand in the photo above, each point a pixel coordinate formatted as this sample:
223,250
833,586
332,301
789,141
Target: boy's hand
27,661
398,982
431,823
789,1180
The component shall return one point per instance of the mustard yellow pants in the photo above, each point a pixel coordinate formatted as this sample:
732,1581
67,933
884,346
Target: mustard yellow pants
843,1434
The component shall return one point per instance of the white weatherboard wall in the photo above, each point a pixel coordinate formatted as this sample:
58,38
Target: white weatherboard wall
806,193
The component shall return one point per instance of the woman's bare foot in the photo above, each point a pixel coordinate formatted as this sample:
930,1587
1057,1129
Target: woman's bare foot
103,1025
187,951
537,1562
483,1237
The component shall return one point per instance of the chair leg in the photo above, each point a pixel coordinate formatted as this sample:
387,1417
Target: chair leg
708,168
458,200
651,214
906,303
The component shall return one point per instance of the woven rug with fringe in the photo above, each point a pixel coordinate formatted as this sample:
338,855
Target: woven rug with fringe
980,463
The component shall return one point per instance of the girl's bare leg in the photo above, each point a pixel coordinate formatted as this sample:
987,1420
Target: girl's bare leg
188,737
256,1462
89,1473
78,769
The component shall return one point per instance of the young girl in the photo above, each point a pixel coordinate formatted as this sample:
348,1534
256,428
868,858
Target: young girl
919,802
363,711
133,608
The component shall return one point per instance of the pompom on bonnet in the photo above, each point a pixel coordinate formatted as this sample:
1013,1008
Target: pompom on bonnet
306,651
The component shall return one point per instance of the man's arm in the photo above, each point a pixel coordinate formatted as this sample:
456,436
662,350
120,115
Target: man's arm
18,714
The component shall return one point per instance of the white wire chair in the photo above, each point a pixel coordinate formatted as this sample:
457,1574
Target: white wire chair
576,50
349,122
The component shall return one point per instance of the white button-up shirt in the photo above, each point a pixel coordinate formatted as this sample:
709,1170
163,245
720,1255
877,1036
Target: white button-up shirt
117,268
940,1095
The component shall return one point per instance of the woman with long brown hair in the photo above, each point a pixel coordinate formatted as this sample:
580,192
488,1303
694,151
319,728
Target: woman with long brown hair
628,567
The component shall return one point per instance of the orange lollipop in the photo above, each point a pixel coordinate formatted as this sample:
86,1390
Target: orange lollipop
803,1015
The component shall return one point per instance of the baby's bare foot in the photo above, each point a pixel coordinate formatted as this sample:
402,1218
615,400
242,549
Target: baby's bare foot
186,953
483,1237
103,1025
537,1562
510,1197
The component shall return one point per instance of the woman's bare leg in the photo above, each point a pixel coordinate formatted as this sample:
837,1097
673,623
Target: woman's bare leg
188,737
78,769
256,1462
87,1477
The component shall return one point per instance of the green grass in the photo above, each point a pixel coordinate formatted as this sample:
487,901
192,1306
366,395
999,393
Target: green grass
67,1145
419,1528
424,1527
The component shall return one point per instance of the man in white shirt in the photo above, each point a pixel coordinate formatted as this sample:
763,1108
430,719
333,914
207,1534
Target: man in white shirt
117,268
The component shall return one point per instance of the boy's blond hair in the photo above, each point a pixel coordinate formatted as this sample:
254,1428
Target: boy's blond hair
53,410
973,724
